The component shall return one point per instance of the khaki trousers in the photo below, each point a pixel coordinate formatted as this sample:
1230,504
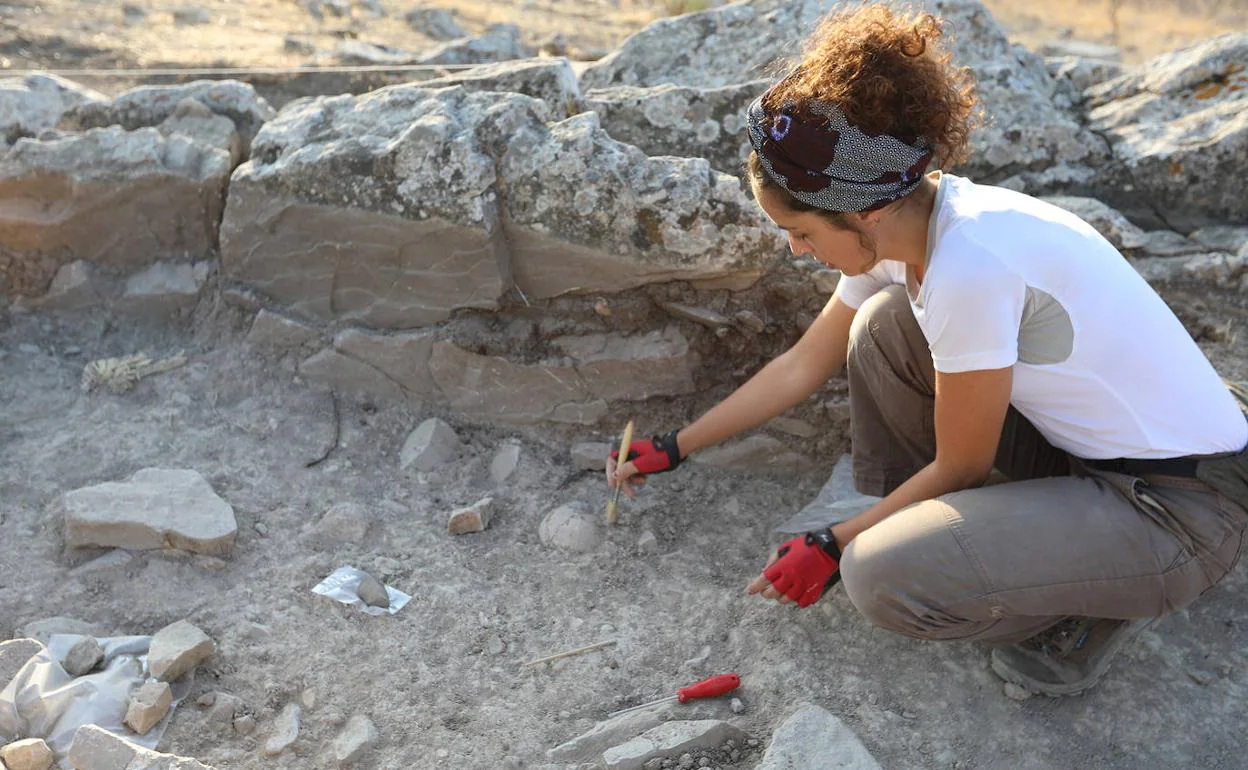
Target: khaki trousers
1001,563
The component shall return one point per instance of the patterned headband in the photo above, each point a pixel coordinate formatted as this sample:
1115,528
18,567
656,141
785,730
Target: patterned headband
822,160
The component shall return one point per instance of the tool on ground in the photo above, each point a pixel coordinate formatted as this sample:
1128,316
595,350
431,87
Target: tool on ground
615,493
570,653
707,688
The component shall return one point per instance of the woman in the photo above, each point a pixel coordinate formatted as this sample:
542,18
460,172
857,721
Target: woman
981,328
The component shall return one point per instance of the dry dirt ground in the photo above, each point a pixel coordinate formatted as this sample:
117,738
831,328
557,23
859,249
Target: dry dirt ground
443,679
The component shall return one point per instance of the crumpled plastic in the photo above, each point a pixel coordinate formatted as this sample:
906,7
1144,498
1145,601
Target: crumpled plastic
44,701
341,586
838,501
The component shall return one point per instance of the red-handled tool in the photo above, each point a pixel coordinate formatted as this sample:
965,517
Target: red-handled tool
707,688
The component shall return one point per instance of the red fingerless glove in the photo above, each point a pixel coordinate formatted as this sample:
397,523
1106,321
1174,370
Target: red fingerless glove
653,455
808,566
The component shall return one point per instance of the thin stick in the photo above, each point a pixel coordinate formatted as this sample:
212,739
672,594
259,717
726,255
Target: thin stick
570,653
623,458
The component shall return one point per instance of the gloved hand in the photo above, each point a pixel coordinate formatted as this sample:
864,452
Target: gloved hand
807,567
652,455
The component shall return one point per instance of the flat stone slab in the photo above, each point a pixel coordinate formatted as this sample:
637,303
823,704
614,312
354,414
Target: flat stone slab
670,740
813,737
176,649
155,508
95,748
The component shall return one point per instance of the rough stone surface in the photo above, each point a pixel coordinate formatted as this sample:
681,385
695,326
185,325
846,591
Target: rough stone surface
657,363
83,657
193,119
43,629
13,656
155,508
813,737
590,455
401,356
1209,270
1228,238
274,331
1109,222
343,523
1080,72
148,705
358,736
33,104
434,23
607,733
754,453
431,444
501,42
373,592
148,106
682,120
285,731
94,748
1167,243
61,200
504,463
163,289
551,80
1025,129
28,754
345,374
570,528
1178,124
505,391
672,739
474,518
176,649
76,286
341,214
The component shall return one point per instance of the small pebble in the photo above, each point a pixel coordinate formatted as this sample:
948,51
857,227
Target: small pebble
737,708
730,744
261,528
442,753
565,714
686,760
1014,692
752,743
734,755
245,724
207,699
703,762
73,350
26,347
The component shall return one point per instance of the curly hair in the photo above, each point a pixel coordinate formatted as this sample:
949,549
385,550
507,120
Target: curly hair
889,74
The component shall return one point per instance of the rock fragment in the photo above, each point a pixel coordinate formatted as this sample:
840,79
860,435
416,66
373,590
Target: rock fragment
504,463
358,736
13,656
431,444
343,523
610,732
590,455
28,754
551,80
155,508
83,657
163,289
33,104
473,518
571,528
94,748
176,649
672,739
347,375
285,731
274,331
148,705
810,737
372,592
1015,692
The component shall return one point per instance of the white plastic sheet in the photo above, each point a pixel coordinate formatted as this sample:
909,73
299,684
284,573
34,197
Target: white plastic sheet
45,701
836,502
342,585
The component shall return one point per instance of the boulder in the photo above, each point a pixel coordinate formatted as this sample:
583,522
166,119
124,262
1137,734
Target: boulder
434,23
813,737
504,463
682,120
95,748
176,649
275,332
33,104
1025,130
1212,270
1229,238
589,746
551,80
63,199
500,42
154,508
149,106
1179,126
193,119
342,524
78,285
397,207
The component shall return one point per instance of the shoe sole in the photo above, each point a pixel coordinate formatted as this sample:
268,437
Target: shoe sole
1036,687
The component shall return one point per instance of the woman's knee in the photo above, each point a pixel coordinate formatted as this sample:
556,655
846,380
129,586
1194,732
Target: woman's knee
876,315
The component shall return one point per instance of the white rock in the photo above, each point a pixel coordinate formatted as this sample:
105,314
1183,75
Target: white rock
813,737
591,455
570,528
83,657
357,737
33,104
605,734
430,445
672,739
504,463
176,649
94,748
156,508
474,518
29,754
285,731
148,705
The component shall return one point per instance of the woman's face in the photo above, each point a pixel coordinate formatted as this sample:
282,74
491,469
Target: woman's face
811,234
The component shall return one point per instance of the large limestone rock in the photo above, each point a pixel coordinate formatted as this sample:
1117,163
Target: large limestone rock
94,748
398,207
33,104
121,199
732,45
813,737
1179,125
657,363
155,508
505,391
150,106
687,121
549,79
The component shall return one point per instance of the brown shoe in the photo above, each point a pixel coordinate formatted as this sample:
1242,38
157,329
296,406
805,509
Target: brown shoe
1067,658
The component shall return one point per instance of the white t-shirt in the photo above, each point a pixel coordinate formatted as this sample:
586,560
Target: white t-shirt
1102,367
